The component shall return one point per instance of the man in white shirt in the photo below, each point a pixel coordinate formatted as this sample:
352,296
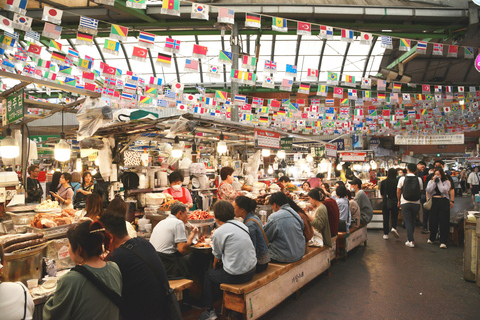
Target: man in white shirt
409,200
171,243
474,181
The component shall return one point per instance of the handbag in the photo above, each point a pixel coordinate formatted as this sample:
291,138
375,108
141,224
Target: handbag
428,205
173,312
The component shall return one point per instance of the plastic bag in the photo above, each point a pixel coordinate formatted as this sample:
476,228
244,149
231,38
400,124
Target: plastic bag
93,114
181,126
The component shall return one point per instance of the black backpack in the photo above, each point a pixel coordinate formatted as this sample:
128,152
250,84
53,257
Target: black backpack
411,188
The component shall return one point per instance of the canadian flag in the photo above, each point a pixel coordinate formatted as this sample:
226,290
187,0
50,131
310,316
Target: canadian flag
312,73
314,108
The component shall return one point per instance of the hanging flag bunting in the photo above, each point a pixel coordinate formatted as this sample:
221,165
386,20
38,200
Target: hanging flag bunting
367,95
50,76
43,64
349,81
366,83
200,11
7,43
347,35
52,31
34,50
253,20
332,78
109,82
73,54
164,60
268,82
18,6
270,67
146,40
177,87
109,71
468,53
105,2
438,89
84,38
58,57
338,92
291,70
22,22
220,96
88,25
304,28
214,71
236,75
137,4
286,85
55,45
425,88
88,76
326,32
421,47
312,74
352,93
171,7
28,69
172,45
322,90
65,69
404,45
199,52
397,87
111,47
437,49
155,82
365,38
118,32
52,15
32,36
249,62
139,54
226,16
279,24
191,65
304,88
86,65
145,100
461,89
452,51
387,42
6,24
381,85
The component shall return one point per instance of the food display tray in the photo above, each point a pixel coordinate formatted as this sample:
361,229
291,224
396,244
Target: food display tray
56,210
52,233
201,223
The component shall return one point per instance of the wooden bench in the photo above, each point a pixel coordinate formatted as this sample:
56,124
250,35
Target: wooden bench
346,242
333,249
179,285
270,287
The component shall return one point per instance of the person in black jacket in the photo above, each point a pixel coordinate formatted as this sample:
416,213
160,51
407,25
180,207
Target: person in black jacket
34,189
388,190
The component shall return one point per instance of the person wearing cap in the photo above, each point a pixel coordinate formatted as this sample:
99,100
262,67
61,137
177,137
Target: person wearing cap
366,209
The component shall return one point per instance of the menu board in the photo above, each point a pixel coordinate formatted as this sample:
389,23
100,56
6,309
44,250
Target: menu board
353,156
330,150
267,139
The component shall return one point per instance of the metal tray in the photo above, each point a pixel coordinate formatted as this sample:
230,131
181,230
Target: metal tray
201,223
21,208
52,233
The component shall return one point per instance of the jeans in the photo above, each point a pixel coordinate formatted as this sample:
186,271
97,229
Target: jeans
213,279
440,215
386,218
426,213
409,212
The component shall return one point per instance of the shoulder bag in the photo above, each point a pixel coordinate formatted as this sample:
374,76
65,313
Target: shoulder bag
428,204
173,312
261,228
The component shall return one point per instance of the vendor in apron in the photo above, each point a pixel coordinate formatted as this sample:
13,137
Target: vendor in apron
64,195
177,191
225,190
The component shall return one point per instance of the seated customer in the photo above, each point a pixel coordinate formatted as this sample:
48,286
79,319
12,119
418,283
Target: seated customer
143,289
171,243
245,209
366,209
234,248
354,211
343,208
320,220
94,207
120,207
284,230
286,185
333,213
177,191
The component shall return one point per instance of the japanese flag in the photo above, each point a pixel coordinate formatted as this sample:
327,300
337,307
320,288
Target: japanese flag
177,87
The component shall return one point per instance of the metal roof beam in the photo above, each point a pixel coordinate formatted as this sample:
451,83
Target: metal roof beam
321,58
151,62
344,60
297,51
138,13
374,41
126,56
98,49
272,54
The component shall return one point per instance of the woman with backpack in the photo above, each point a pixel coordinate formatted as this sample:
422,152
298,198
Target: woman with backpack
388,190
438,189
64,195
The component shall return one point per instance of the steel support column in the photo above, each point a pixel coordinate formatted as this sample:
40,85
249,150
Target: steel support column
234,85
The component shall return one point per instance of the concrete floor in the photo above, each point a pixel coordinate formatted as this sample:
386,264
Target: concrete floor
387,280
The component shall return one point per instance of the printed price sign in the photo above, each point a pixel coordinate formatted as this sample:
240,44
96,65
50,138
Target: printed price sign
330,150
267,139
14,106
353,156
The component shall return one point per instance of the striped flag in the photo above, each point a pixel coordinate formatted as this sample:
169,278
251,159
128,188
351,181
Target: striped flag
84,38
55,45
52,31
387,42
253,20
279,24
226,15
88,25
32,35
421,47
347,35
146,39
111,47
118,32
404,45
72,53
437,49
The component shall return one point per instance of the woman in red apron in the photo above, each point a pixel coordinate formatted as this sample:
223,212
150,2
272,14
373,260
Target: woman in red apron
177,191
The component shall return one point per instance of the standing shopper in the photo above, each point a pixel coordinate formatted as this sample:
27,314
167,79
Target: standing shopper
474,182
463,180
232,247
34,189
76,297
53,185
388,190
409,190
64,195
439,189
85,190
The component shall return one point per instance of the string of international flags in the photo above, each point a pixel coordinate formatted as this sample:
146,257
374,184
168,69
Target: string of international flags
286,114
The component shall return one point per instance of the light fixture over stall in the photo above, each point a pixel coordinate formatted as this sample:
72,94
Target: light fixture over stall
177,149
78,164
266,153
222,145
9,146
281,154
309,158
62,150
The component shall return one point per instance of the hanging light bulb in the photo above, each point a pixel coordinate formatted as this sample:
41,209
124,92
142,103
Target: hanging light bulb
97,162
62,150
9,146
177,150
309,158
79,164
266,153
324,165
270,170
222,145
373,164
281,154
339,167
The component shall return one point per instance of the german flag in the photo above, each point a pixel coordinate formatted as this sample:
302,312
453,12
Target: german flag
58,56
84,37
164,58
255,18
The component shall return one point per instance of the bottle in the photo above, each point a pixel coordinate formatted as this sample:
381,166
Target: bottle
144,158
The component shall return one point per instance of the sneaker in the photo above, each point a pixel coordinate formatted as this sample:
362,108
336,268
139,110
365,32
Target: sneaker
395,233
385,237
425,231
443,246
429,241
208,315
410,244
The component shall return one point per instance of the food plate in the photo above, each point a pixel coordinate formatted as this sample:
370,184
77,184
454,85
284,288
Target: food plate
201,223
55,210
201,248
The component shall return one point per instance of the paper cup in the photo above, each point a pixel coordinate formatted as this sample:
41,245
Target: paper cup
32,284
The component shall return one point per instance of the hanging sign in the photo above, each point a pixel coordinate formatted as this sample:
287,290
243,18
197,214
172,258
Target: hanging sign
353,156
14,106
286,144
340,143
430,140
330,150
267,139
